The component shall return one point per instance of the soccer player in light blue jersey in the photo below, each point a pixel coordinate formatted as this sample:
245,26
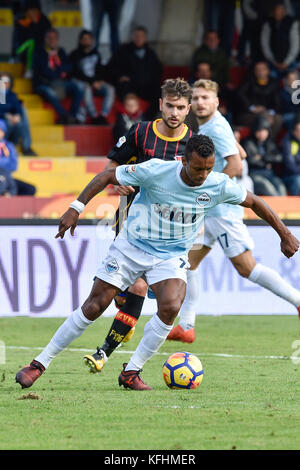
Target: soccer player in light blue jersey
224,223
162,226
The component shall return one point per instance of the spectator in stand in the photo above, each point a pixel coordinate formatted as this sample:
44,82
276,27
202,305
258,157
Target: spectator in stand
202,70
113,10
291,160
250,33
260,94
8,164
15,116
211,53
244,179
30,29
219,15
280,41
52,70
90,76
129,114
263,155
135,68
290,99
295,5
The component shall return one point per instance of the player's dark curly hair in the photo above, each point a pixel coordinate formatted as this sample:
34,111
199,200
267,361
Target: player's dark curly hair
176,87
201,144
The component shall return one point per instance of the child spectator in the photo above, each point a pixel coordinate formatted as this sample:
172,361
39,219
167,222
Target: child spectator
129,115
51,71
291,160
89,74
262,155
15,116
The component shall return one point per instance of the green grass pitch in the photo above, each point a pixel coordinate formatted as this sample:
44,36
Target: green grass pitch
247,400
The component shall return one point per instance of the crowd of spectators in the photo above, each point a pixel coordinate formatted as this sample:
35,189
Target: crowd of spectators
264,107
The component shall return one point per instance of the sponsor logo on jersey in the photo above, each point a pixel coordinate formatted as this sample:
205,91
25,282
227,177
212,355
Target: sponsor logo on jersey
125,318
112,266
121,141
130,168
203,199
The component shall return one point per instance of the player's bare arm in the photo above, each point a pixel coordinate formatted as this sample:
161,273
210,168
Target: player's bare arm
241,150
289,243
70,217
234,165
121,190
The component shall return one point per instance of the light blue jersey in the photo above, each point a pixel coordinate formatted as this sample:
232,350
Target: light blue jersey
219,130
167,214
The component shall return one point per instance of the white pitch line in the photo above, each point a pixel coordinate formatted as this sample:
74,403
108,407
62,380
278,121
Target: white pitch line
120,351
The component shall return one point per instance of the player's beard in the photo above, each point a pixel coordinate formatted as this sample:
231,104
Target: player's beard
172,127
208,115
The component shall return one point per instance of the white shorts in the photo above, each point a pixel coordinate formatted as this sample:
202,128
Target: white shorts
125,263
232,235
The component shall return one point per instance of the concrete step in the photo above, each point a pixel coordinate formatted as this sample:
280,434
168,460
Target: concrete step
22,85
16,70
65,148
58,175
31,100
39,117
54,133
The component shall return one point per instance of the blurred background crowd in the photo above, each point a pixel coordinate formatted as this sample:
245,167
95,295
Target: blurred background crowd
255,64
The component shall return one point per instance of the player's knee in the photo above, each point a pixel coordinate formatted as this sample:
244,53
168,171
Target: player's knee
168,310
94,306
139,288
243,271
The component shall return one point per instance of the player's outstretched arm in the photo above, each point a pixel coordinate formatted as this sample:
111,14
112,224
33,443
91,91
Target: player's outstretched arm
121,190
289,243
70,217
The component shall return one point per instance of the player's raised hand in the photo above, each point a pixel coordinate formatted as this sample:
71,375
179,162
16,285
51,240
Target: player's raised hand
68,220
289,245
124,190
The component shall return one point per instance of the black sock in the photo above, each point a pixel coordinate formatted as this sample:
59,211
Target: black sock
125,319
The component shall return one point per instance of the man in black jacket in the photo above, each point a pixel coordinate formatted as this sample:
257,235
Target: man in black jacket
260,94
135,68
90,75
51,71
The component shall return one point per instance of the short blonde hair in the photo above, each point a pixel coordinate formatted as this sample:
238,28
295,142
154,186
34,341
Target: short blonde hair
207,85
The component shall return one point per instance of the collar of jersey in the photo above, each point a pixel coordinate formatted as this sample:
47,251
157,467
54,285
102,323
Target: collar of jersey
210,122
169,139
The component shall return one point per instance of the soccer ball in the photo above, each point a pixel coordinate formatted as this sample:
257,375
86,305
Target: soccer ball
183,370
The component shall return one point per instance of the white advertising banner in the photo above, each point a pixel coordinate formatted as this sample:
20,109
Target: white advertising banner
43,277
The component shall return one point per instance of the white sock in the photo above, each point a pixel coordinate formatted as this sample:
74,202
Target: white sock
155,333
188,309
271,280
72,328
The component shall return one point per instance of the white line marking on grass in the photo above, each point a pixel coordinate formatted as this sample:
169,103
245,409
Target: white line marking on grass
118,351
